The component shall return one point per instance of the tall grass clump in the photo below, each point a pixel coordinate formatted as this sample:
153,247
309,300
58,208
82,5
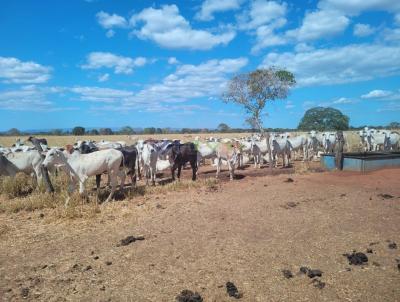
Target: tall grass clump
20,186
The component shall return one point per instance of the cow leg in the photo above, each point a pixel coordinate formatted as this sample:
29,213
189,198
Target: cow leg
98,181
218,167
113,180
194,169
122,175
179,171
173,171
153,176
231,168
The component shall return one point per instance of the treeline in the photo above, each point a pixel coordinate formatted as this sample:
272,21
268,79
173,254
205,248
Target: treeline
222,128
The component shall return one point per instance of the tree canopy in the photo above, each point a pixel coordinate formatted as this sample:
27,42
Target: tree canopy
78,130
222,127
254,89
324,118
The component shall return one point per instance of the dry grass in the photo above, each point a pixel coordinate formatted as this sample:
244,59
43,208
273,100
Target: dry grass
20,194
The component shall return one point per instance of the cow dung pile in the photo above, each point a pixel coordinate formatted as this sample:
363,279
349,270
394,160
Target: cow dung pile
128,240
188,296
232,290
356,258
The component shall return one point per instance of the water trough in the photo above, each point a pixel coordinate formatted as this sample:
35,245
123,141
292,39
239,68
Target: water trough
363,162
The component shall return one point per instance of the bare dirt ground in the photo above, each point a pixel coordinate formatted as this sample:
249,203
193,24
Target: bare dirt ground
246,231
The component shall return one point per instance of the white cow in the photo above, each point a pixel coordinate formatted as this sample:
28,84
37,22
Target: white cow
280,146
206,150
79,167
392,141
148,157
28,162
376,139
227,153
299,143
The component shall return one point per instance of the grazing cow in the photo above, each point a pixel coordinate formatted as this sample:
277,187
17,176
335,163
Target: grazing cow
28,162
35,140
7,168
180,155
79,167
227,153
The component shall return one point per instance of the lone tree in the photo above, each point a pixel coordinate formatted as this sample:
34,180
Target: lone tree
78,130
254,89
223,127
324,118
127,130
106,131
13,132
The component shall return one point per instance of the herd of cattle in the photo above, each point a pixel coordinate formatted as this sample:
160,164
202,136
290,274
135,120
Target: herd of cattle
85,159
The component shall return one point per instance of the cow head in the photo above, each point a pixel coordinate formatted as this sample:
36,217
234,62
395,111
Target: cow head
54,157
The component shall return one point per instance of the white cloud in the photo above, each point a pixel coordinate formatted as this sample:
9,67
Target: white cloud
397,19
289,105
391,35
355,7
172,61
209,7
99,94
120,64
108,21
13,70
320,24
31,98
376,94
264,12
262,19
339,64
110,33
363,30
167,28
266,37
343,100
394,106
190,82
103,77
303,47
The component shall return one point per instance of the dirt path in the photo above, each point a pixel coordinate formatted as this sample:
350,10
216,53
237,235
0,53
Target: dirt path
244,231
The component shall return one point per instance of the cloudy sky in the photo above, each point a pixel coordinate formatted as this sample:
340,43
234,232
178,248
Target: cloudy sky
165,63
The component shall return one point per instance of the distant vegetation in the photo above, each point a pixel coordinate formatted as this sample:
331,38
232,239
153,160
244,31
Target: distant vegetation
322,119
127,130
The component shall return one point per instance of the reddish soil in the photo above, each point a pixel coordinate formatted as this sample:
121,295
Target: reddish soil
246,231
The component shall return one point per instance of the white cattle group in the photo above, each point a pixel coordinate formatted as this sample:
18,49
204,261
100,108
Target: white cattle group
375,140
85,159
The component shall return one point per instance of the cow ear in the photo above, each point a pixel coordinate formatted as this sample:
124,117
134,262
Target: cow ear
61,149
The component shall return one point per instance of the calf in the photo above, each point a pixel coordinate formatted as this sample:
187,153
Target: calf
229,154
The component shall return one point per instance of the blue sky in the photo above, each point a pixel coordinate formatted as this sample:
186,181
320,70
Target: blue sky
104,63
